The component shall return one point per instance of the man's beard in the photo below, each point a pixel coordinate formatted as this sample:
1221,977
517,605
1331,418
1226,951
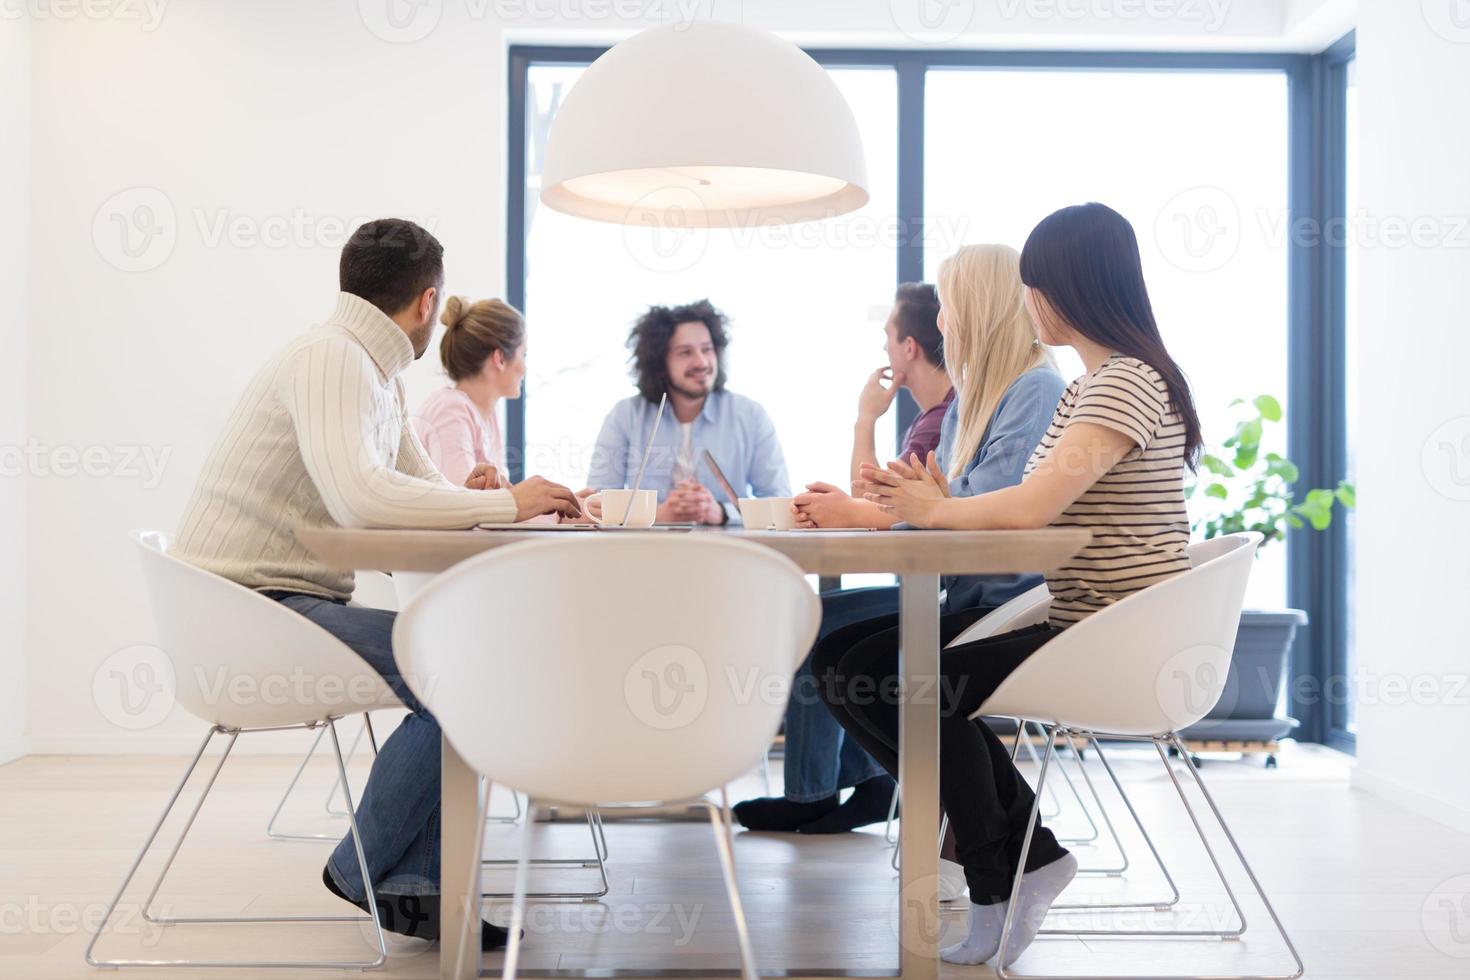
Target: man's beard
420,339
691,393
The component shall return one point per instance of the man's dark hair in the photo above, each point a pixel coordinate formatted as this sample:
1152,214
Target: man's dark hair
649,343
916,315
390,262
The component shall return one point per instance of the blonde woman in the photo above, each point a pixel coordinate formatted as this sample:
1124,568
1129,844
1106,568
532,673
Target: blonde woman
484,354
1006,386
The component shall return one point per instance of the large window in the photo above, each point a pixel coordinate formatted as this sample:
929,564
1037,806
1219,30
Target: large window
1206,192
1216,158
807,302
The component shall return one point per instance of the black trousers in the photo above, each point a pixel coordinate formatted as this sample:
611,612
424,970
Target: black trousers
987,799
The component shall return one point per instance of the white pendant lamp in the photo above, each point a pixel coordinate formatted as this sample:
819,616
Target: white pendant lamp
704,124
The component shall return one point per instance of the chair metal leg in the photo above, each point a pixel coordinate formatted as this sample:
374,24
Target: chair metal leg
720,822
1093,833
1023,737
1031,823
888,832
1042,790
601,834
1159,744
367,727
270,827
1102,812
599,845
382,949
1239,854
515,798
1137,822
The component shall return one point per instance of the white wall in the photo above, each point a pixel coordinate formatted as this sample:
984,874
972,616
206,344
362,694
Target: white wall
225,126
15,127
1413,557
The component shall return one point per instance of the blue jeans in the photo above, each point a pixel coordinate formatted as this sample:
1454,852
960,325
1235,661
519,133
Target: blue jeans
820,758
398,815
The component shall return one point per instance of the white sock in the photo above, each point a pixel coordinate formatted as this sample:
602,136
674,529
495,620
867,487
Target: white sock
1039,889
984,938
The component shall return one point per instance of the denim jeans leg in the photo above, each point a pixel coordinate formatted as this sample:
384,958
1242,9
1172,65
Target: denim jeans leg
397,813
820,759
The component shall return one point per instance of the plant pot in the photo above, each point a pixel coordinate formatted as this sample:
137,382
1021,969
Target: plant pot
1247,710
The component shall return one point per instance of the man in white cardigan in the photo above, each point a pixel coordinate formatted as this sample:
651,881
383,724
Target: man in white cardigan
321,439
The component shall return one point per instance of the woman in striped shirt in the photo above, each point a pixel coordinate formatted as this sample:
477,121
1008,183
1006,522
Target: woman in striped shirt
1112,461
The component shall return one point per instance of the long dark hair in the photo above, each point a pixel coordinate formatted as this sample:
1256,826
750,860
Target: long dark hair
1084,260
648,342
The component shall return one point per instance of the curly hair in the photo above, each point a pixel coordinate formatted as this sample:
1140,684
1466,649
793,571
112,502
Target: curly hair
648,344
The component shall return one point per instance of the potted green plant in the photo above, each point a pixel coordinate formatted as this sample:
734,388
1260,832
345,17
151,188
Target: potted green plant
1245,489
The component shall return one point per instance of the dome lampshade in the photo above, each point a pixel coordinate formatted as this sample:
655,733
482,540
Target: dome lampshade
704,124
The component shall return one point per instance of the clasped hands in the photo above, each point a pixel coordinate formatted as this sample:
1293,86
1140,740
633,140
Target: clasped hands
908,491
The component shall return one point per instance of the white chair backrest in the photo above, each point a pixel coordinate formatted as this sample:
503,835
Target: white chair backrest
1149,664
612,669
1027,609
374,590
243,660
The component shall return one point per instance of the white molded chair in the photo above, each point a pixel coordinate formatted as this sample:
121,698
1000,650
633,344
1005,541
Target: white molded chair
1141,670
1029,609
625,670
278,671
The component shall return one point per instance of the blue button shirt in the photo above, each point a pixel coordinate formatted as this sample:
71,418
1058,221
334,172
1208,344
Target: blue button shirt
1019,422
735,429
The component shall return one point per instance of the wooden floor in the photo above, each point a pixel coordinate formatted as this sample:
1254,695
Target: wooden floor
1366,890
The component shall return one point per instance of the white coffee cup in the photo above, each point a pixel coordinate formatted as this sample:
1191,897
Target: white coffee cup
782,519
767,513
755,512
616,503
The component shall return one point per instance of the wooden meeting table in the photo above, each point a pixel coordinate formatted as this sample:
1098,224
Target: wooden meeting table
918,558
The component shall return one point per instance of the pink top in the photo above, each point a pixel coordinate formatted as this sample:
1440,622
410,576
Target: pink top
457,437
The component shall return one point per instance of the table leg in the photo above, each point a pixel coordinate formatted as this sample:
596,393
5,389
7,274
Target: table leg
459,924
918,777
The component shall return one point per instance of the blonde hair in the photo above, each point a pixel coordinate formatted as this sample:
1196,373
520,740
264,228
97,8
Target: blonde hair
989,339
477,330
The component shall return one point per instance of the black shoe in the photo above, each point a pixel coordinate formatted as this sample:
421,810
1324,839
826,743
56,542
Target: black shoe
415,916
780,814
868,804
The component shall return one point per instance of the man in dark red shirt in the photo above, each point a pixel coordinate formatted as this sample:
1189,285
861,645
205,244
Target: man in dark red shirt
915,350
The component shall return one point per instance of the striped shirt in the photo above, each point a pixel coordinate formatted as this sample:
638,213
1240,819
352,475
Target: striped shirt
1135,510
320,438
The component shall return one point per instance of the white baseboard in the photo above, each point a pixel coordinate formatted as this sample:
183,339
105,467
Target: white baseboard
12,749
1411,799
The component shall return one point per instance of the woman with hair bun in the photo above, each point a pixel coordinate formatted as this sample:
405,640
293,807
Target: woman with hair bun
484,354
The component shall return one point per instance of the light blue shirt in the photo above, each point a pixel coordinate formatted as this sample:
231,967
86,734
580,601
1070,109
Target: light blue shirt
1020,420
736,430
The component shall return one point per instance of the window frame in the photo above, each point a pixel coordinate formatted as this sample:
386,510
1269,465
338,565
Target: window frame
1316,562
